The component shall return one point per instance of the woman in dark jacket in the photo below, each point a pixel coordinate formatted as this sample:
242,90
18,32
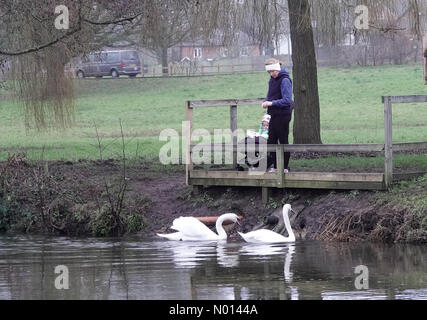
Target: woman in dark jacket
279,105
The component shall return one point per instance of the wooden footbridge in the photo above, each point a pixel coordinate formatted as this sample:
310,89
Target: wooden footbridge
317,180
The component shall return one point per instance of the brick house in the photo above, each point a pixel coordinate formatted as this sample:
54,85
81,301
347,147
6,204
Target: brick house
201,50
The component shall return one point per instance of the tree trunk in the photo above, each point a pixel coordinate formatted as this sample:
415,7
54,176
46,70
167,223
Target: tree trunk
269,49
307,109
165,67
425,58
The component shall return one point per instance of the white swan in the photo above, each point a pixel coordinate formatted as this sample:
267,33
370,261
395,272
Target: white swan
268,236
191,229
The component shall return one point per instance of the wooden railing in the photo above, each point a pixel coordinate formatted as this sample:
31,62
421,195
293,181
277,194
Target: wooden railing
386,148
388,133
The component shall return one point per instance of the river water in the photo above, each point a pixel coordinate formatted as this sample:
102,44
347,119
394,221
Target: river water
134,268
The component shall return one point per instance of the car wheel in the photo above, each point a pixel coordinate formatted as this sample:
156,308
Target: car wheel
114,74
80,74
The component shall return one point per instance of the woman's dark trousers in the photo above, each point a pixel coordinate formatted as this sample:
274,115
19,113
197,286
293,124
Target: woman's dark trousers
278,132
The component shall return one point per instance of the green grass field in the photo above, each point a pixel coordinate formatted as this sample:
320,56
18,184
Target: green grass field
350,99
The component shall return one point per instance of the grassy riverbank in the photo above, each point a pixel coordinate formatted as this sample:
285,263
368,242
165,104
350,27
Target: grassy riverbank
351,111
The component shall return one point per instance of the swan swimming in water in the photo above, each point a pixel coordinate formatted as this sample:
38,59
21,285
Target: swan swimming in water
191,229
268,236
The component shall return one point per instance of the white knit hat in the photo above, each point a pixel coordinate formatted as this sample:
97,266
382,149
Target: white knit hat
273,67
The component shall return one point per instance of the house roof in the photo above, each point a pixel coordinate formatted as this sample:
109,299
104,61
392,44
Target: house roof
217,40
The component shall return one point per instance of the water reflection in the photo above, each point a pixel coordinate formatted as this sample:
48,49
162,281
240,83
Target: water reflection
287,265
137,269
261,250
412,294
227,254
189,254
355,295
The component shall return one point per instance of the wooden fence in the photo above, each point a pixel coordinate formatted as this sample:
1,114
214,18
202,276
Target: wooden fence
193,69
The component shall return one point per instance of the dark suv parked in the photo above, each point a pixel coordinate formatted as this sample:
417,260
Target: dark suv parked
110,63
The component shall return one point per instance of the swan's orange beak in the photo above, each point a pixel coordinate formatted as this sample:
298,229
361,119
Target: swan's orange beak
238,218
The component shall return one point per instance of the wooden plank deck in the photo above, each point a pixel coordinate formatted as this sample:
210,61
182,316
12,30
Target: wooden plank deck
309,180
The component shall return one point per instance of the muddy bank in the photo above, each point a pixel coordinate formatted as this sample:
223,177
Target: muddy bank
104,198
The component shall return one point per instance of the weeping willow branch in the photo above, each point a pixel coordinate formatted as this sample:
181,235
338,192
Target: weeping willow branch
41,47
38,52
44,89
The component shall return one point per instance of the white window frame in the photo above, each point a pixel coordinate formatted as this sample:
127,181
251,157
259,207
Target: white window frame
244,51
223,52
198,52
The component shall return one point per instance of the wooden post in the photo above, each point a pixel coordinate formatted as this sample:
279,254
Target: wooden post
233,127
265,195
280,158
388,143
188,160
196,190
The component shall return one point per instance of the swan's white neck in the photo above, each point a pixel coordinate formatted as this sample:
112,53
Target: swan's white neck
219,228
291,235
